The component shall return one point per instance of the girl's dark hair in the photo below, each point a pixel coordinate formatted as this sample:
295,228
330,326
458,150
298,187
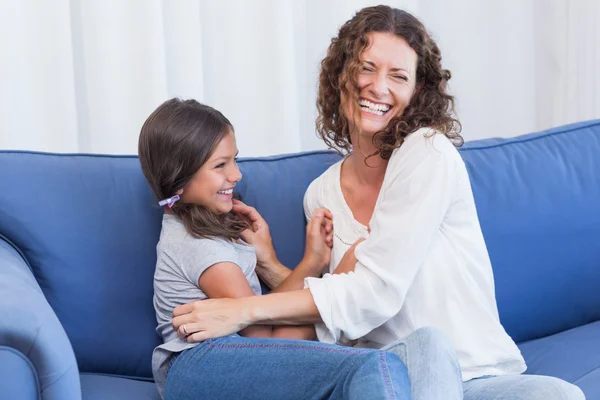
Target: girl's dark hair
175,141
430,106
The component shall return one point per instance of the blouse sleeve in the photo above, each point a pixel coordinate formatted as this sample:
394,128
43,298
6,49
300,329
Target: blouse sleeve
311,198
419,190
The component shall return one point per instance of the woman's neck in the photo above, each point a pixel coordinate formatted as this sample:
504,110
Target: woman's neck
367,171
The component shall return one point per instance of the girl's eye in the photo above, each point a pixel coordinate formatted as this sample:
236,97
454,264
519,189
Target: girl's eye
367,69
220,165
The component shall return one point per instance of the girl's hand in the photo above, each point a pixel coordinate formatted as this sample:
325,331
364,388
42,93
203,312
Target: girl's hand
319,239
258,235
349,260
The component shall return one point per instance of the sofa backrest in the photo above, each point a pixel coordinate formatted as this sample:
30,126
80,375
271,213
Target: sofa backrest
538,201
88,227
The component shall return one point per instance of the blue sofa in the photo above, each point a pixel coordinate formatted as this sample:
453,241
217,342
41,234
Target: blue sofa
77,254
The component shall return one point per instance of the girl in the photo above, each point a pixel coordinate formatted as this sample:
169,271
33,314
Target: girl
188,155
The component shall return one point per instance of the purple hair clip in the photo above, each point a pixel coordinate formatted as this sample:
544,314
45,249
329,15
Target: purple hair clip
169,202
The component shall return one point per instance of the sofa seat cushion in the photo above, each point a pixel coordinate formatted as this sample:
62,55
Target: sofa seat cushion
573,355
105,387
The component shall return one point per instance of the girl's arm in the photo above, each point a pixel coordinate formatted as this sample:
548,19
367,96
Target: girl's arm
319,240
279,278
273,274
295,278
226,280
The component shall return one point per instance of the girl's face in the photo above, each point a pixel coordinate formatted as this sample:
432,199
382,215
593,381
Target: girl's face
386,82
212,186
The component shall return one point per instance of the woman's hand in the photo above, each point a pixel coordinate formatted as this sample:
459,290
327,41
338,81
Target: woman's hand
349,260
319,239
258,235
204,319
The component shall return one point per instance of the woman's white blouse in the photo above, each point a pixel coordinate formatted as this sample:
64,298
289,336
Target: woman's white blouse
424,262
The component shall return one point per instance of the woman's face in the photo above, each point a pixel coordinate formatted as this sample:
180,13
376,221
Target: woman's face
386,82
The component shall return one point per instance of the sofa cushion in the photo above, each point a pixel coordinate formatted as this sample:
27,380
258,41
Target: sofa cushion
538,201
573,355
102,387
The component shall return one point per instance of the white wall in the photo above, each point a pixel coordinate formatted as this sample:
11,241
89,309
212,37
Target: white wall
82,76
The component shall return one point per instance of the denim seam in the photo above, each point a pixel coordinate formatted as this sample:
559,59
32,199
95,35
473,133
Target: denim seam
295,347
386,377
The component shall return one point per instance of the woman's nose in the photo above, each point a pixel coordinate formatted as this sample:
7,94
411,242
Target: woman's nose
380,85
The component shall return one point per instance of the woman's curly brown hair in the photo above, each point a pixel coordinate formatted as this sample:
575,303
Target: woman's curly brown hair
430,105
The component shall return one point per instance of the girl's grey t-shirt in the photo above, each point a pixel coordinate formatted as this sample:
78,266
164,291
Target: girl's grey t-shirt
181,259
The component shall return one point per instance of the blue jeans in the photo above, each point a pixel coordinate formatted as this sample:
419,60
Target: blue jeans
521,387
433,368
236,367
434,373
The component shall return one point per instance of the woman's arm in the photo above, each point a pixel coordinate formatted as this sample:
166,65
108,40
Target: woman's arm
211,318
226,280
197,316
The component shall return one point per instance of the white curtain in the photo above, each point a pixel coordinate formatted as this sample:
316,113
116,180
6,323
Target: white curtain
82,75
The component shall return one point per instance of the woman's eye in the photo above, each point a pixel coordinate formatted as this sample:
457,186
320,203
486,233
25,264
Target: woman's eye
220,165
401,77
367,69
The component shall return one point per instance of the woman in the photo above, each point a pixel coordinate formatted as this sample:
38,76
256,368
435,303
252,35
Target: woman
404,189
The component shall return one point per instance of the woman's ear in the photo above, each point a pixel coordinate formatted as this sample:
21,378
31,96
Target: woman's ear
179,192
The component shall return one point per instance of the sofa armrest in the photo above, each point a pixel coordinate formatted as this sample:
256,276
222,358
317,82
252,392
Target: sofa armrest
34,347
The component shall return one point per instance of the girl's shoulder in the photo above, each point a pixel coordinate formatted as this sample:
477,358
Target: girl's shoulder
174,235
